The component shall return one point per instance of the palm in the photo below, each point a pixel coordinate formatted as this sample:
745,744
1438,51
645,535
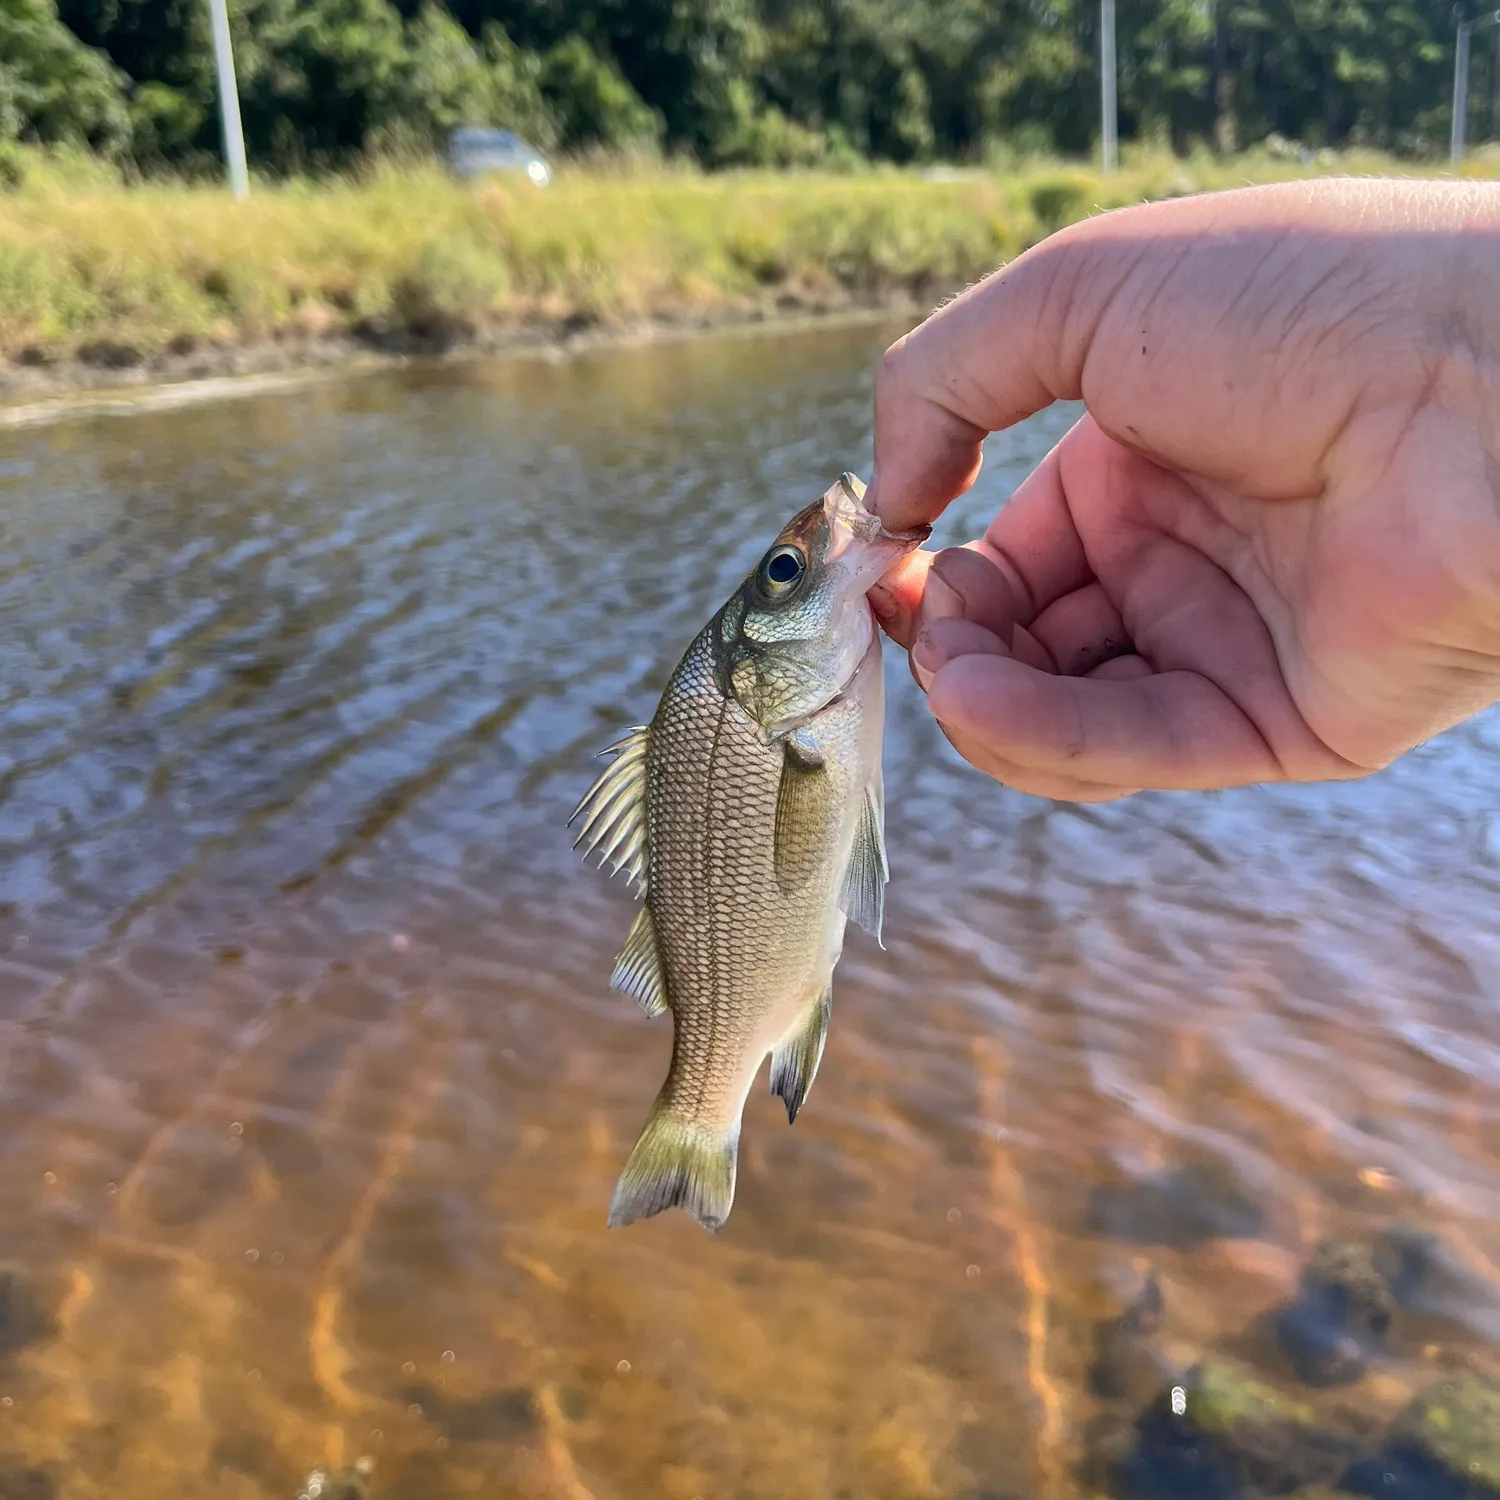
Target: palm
1254,595
1272,638
1341,594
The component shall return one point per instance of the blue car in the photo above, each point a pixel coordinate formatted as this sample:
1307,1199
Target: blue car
474,150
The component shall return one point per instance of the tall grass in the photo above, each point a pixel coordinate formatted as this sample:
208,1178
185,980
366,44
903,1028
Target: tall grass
96,268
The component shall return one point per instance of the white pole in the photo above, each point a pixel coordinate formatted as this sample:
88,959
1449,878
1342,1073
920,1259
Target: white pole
229,101
1109,122
1495,85
1460,89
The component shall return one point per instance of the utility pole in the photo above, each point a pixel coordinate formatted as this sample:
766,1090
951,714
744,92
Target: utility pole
1223,83
1495,88
1467,26
1460,86
229,101
1109,123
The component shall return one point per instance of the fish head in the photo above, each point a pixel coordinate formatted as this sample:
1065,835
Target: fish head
797,630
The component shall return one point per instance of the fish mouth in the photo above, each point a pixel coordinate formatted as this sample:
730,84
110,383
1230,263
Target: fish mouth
846,503
916,536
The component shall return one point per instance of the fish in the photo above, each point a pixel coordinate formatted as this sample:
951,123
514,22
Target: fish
749,819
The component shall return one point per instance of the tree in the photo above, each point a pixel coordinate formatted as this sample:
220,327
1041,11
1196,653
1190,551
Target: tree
592,101
52,86
730,81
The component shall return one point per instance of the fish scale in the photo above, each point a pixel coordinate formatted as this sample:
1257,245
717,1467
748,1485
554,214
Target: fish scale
749,816
740,956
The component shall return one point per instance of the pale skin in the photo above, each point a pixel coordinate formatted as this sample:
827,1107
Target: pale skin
1271,549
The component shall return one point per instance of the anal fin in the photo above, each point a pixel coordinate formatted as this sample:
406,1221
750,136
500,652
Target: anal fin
794,1063
638,970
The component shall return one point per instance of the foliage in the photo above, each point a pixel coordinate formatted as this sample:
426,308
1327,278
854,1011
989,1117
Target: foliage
737,82
92,264
52,87
591,100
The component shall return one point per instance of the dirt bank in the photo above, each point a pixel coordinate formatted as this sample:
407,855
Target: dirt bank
30,390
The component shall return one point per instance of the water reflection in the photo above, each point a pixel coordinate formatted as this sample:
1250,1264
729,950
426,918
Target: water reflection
314,1094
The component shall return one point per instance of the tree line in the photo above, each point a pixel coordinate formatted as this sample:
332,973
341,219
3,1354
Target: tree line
734,82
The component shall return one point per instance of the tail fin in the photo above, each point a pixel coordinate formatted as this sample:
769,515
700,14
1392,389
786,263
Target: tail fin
678,1163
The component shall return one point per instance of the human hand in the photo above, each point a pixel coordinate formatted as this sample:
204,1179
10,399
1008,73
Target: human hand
1271,549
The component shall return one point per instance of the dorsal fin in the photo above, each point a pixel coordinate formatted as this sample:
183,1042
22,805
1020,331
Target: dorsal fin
614,811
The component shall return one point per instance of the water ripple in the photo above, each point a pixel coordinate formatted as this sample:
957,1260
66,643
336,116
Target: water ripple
311,1075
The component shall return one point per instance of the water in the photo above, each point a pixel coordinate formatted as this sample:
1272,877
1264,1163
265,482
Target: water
314,1094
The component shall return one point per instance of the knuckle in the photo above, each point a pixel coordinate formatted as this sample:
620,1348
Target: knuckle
894,368
1073,741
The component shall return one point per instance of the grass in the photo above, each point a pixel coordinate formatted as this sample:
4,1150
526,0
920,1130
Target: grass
94,269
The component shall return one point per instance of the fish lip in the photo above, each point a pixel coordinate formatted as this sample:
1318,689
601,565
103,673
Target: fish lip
917,534
846,499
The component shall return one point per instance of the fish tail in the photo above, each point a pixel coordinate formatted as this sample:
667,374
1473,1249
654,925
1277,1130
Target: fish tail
678,1162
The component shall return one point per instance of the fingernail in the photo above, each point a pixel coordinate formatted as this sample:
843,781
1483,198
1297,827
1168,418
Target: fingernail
924,662
940,600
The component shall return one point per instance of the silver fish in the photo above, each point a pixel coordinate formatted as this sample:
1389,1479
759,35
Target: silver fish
749,814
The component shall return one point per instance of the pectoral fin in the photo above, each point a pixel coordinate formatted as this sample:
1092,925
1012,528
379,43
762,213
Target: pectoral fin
794,1063
638,970
614,811
862,896
802,805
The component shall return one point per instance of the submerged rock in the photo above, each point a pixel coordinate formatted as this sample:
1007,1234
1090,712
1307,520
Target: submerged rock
499,1417
1445,1446
1126,1364
19,1482
1225,1433
1426,1276
1182,1207
1407,1258
24,1318
1340,1316
1459,1423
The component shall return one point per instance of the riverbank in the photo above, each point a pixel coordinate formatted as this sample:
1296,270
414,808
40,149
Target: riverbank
293,352
71,389
104,284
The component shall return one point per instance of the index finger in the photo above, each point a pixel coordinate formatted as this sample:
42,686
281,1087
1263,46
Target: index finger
1075,309
981,364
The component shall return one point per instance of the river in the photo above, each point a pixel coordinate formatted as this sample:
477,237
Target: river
313,1093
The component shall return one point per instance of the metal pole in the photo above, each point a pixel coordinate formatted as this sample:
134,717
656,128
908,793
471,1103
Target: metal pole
1460,89
229,101
1495,88
1109,122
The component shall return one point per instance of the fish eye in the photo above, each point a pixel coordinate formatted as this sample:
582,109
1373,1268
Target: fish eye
782,568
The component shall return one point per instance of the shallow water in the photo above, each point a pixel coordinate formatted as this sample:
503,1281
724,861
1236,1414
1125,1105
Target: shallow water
313,1093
